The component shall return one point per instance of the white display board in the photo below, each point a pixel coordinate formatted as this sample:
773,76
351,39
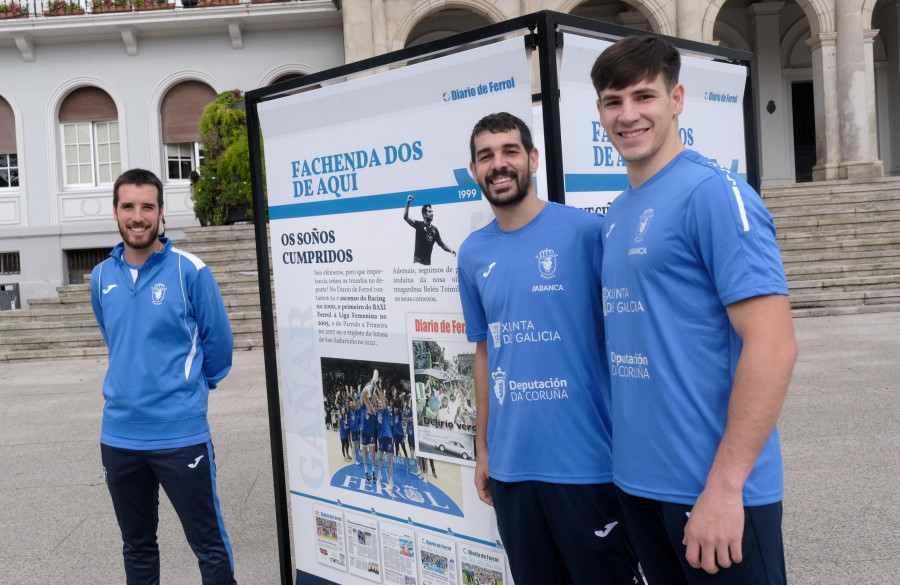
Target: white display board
712,122
354,293
365,285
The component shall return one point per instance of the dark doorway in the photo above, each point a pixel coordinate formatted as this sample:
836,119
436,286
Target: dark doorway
804,130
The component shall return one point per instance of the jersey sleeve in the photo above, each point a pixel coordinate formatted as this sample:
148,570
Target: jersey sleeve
213,327
597,258
736,238
469,296
97,306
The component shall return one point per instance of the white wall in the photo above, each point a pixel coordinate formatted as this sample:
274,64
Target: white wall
51,217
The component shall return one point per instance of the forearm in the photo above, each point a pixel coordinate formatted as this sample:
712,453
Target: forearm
482,397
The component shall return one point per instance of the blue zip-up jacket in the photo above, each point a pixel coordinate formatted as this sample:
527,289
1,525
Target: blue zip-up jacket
169,343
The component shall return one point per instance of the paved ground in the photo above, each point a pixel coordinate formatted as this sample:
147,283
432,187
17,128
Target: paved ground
840,434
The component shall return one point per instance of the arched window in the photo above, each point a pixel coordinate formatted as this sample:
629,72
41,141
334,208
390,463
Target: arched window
89,124
180,113
9,160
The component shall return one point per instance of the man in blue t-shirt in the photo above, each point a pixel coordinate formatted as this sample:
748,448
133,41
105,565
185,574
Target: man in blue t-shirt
532,304
699,339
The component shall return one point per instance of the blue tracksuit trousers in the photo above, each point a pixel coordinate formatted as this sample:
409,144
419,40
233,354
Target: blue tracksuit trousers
188,476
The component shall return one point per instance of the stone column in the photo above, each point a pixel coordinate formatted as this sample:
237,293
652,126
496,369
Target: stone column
768,86
854,96
357,16
379,28
689,19
868,41
828,136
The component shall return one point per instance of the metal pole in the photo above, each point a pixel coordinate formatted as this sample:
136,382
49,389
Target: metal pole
260,221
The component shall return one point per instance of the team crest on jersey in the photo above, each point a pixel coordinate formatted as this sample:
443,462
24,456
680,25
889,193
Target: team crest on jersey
158,293
499,377
644,224
547,263
495,333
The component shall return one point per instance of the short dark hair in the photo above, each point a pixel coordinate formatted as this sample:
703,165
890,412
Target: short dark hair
501,122
427,205
634,59
138,177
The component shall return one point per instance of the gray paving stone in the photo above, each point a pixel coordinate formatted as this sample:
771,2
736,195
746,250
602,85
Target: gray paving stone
840,434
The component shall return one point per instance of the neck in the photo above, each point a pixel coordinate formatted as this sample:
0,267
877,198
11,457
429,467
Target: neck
517,216
641,172
137,256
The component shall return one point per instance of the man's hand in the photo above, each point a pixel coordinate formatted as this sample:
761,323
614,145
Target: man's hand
409,199
481,480
715,529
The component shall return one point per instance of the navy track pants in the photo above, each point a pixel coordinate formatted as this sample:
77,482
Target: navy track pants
188,476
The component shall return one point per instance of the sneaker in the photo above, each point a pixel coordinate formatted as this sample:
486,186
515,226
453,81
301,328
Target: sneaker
367,476
434,474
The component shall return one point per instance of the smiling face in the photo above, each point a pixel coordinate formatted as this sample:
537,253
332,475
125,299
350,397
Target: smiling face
641,121
138,215
502,167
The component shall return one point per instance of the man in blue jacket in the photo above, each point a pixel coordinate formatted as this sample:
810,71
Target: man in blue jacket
154,300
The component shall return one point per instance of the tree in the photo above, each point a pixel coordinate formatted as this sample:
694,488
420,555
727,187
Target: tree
223,193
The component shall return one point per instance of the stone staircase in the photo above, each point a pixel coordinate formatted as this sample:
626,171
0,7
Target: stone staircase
840,243
64,327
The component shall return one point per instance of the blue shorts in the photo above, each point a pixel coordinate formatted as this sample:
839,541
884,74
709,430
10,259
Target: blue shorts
656,530
367,440
386,444
563,533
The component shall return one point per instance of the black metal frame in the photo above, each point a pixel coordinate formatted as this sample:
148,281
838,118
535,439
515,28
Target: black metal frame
542,30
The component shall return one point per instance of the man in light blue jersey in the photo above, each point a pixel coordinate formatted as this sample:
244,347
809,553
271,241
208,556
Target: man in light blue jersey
162,317
699,338
531,300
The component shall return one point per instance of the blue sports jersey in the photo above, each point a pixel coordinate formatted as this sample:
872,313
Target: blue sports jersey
533,296
368,423
384,423
397,423
345,426
676,252
173,314
353,419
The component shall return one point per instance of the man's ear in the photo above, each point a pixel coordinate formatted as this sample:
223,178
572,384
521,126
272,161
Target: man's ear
678,98
533,160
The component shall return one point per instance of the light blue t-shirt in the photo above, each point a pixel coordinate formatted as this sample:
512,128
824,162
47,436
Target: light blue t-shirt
677,251
533,295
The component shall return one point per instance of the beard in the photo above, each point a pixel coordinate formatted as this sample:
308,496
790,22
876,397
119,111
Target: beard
152,235
522,185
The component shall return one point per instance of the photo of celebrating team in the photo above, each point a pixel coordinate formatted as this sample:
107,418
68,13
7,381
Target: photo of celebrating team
368,414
